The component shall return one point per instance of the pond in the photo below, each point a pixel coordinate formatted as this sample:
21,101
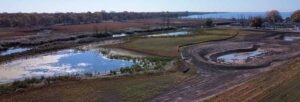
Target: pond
178,33
72,61
239,57
119,35
13,50
291,38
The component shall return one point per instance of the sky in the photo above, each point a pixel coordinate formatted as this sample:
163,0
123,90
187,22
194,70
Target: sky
51,6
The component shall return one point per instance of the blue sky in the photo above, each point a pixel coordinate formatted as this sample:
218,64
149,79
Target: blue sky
147,5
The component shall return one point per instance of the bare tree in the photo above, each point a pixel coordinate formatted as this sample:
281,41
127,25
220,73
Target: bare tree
47,19
273,17
256,22
296,17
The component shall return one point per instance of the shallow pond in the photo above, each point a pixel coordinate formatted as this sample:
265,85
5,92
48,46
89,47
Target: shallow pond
291,38
240,57
63,62
119,35
170,34
13,50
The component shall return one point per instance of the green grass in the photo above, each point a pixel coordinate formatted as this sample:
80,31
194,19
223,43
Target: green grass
168,46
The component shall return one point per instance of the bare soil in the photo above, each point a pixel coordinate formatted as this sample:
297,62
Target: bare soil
215,78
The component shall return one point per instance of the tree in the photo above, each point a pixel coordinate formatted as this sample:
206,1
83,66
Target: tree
296,17
208,22
256,22
274,16
47,19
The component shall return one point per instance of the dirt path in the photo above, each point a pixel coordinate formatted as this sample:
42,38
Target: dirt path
212,80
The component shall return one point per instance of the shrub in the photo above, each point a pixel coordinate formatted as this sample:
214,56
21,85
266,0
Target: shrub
113,72
19,84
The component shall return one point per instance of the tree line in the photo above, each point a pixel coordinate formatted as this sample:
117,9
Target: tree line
47,19
273,17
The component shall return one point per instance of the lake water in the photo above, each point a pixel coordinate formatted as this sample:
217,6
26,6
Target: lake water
230,15
170,34
13,50
291,38
63,62
240,57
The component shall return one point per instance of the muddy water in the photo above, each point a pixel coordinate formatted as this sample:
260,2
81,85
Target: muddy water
64,62
13,50
239,58
170,34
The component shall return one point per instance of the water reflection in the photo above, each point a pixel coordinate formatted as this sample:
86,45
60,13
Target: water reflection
239,58
60,63
120,52
230,15
170,34
291,38
12,51
119,35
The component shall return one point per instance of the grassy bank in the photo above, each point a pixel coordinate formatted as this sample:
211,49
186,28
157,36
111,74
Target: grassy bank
136,88
168,46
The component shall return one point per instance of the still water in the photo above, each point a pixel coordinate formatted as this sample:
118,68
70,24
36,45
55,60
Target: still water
230,15
170,34
13,50
291,38
240,57
72,61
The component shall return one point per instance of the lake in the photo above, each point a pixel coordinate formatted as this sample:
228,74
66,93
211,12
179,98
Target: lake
230,15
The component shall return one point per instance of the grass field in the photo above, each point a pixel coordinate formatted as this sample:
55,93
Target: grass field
168,46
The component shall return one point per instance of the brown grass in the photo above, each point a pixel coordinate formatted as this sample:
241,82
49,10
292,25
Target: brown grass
136,88
265,87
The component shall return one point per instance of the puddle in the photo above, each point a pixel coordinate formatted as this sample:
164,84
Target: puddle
170,34
13,50
61,63
291,38
240,57
119,35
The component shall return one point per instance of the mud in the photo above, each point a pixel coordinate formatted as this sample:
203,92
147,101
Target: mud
215,77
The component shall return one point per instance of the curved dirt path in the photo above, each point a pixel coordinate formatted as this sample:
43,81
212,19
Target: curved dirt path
212,81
